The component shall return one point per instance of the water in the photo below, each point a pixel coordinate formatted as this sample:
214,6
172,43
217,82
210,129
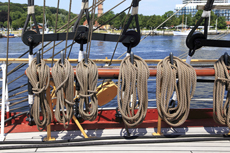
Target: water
153,47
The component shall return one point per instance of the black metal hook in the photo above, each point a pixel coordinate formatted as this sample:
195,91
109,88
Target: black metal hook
209,5
132,57
38,57
226,58
86,58
171,58
62,57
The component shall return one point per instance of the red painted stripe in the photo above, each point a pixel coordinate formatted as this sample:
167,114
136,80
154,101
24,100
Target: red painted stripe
114,72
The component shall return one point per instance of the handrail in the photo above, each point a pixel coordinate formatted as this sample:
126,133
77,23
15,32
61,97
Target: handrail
101,61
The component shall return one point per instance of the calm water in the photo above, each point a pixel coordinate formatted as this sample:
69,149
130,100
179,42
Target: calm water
153,47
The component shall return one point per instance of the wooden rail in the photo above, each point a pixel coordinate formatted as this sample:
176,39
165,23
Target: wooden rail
101,61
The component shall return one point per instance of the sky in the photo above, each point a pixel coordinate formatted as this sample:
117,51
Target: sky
146,7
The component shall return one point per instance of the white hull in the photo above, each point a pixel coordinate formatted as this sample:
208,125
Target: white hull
180,33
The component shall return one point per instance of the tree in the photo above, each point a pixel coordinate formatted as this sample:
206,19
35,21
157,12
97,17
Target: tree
170,22
221,23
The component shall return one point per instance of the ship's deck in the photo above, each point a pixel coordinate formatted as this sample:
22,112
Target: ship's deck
143,144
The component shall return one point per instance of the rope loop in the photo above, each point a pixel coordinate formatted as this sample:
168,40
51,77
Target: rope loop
166,80
87,76
63,76
39,77
221,113
132,85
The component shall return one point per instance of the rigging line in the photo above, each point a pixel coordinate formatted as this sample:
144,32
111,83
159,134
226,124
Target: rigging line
17,98
16,103
18,93
112,18
55,32
7,53
110,62
17,88
67,34
98,3
18,108
110,9
62,50
48,42
91,28
43,28
167,20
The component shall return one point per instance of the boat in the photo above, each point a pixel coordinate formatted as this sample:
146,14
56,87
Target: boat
10,36
181,33
80,125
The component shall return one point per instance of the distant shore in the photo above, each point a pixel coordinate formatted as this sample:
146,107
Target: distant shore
143,32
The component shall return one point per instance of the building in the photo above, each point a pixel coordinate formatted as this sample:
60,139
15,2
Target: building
204,1
192,8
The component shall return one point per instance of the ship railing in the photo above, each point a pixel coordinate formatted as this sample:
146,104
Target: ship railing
5,100
104,61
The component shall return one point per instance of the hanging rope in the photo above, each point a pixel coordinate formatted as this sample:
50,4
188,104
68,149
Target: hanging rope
43,28
87,76
39,77
221,113
166,84
63,76
133,79
55,31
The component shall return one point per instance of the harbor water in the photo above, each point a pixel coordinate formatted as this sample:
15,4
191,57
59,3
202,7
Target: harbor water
153,47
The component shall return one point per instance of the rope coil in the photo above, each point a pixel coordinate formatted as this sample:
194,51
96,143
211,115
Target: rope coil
39,77
166,84
221,113
87,76
63,76
132,84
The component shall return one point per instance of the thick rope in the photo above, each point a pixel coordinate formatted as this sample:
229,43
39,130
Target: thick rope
221,113
39,77
87,76
166,84
133,79
63,76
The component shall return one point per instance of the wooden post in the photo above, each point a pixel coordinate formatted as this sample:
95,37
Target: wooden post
80,127
49,138
158,127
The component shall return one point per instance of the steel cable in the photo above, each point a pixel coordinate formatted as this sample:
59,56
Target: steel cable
63,76
39,77
221,113
133,79
166,84
87,76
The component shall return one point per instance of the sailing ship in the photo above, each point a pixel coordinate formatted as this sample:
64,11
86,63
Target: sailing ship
74,95
184,31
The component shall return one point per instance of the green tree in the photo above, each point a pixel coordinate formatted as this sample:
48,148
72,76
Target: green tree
221,23
170,22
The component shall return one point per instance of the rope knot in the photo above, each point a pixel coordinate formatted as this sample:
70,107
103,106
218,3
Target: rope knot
89,95
38,90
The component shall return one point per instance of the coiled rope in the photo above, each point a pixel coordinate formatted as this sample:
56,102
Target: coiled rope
63,76
221,113
39,77
166,84
133,79
87,76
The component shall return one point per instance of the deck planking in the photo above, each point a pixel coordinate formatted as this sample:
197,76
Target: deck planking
185,147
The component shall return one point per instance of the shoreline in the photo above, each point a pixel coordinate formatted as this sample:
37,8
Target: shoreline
143,33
